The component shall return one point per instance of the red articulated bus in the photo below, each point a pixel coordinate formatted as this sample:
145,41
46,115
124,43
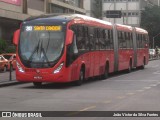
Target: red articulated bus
66,48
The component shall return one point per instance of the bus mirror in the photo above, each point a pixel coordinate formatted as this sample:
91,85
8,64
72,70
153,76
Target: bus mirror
16,37
70,37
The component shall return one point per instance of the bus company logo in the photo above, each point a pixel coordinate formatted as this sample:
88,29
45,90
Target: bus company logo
6,114
38,71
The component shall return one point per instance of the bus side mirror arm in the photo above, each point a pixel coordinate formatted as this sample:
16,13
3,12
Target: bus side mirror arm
69,37
16,37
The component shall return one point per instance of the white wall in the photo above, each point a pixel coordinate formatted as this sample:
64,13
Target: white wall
87,7
134,6
120,6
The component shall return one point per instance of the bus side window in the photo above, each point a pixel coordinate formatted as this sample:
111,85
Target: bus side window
137,39
92,37
131,40
97,39
102,39
107,42
86,38
111,39
80,38
120,39
74,49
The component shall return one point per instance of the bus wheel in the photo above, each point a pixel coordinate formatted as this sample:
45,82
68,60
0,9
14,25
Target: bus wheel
81,78
37,84
105,75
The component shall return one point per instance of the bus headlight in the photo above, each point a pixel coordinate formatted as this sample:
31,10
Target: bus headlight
20,68
58,69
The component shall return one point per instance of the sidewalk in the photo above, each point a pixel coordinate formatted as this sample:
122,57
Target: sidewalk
5,79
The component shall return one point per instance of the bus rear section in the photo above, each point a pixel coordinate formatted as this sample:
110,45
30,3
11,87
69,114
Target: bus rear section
142,43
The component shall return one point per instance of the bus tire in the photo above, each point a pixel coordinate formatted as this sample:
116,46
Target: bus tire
37,84
81,78
106,72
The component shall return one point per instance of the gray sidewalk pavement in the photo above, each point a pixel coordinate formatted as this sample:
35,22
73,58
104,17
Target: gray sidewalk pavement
5,79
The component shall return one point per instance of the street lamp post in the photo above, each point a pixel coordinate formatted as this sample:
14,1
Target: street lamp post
154,39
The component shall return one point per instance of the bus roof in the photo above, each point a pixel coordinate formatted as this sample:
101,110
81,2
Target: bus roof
125,28
65,18
140,30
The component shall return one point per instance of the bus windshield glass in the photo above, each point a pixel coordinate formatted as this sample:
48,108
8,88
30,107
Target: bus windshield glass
41,46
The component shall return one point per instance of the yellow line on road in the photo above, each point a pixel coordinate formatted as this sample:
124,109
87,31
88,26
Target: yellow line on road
140,90
147,88
77,112
107,101
88,108
130,93
153,85
121,97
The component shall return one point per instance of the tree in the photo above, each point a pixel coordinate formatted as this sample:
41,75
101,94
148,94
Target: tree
3,45
150,20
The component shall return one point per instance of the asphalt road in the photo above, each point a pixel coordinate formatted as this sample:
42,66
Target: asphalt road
136,91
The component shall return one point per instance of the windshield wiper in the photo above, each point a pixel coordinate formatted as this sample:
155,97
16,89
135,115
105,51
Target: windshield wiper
44,53
35,49
48,42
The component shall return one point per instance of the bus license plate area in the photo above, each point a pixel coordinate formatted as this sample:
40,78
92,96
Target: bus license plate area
38,77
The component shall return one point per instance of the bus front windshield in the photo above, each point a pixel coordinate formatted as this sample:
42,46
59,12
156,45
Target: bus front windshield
40,46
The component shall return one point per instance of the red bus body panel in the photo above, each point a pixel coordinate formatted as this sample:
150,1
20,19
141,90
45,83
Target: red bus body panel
94,61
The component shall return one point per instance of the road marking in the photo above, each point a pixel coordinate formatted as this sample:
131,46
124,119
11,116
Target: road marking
130,93
147,88
153,85
77,112
121,97
157,73
88,108
73,113
140,90
107,101
155,66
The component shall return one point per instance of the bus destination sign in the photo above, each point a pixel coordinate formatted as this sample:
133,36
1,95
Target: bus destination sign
43,28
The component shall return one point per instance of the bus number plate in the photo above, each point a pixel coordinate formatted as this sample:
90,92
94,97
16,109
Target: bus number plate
38,77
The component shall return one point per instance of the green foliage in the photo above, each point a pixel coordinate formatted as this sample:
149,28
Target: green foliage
3,45
150,21
10,50
5,48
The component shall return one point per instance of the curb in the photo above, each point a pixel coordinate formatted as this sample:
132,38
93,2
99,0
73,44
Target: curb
9,83
153,59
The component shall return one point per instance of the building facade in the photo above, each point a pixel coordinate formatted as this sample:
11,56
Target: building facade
131,10
93,8
12,12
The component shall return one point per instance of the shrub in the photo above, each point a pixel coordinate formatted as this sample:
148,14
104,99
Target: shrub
3,45
11,49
